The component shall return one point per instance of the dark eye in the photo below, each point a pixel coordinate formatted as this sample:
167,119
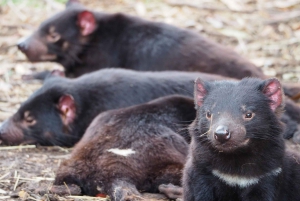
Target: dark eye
28,118
53,37
208,115
248,115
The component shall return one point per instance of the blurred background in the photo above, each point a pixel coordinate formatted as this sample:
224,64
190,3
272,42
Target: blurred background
265,31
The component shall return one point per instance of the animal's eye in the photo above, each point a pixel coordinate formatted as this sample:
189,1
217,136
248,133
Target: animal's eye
208,115
248,115
53,37
28,118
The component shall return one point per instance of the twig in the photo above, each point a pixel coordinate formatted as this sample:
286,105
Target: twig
67,188
86,197
36,179
66,150
4,197
174,3
2,191
17,12
5,175
284,17
17,181
17,147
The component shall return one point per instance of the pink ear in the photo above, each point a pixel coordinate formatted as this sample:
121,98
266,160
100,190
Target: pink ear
199,92
66,105
273,91
86,22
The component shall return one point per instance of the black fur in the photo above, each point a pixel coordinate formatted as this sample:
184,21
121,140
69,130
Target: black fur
121,40
93,93
255,148
154,132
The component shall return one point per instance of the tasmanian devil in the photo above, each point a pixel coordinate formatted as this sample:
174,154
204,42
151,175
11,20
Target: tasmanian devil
60,111
132,149
237,151
84,41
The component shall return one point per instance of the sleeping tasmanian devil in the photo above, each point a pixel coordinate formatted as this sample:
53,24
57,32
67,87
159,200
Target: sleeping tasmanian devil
60,111
84,41
237,150
130,150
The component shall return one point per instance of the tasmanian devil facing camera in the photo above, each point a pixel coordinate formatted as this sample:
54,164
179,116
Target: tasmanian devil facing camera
237,151
132,149
84,41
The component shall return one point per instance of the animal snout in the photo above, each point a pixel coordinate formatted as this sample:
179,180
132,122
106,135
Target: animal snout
22,46
2,131
3,127
222,134
23,43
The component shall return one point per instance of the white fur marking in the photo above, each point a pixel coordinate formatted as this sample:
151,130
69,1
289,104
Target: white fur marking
122,152
243,182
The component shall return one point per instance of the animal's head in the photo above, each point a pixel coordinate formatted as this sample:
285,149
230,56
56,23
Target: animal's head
230,114
60,38
46,118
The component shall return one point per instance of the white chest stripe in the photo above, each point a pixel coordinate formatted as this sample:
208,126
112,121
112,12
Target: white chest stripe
243,182
122,152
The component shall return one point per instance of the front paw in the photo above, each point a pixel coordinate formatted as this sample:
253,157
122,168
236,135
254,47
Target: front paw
126,194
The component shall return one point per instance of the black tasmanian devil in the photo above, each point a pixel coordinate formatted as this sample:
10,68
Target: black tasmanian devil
237,151
84,41
60,111
131,149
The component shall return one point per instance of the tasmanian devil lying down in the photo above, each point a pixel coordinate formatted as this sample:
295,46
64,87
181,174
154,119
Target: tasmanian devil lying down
237,150
132,149
61,110
84,41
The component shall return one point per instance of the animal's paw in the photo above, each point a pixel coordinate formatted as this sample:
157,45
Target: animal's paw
171,191
126,194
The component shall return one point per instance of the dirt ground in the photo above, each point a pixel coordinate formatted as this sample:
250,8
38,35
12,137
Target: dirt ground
265,31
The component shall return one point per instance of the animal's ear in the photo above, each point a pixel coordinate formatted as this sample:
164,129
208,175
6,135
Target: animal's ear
67,107
72,3
86,22
273,90
199,92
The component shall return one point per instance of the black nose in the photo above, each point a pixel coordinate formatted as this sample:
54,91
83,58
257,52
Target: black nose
22,46
222,134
